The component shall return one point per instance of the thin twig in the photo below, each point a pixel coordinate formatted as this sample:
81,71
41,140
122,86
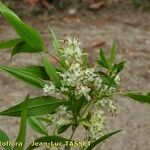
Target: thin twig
126,92
54,58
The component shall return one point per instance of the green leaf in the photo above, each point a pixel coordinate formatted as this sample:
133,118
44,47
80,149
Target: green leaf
55,41
113,53
56,46
24,75
118,67
139,97
37,125
9,43
46,119
5,138
36,106
48,139
23,47
63,128
51,71
22,132
103,60
92,145
3,8
109,81
72,105
26,32
35,71
80,104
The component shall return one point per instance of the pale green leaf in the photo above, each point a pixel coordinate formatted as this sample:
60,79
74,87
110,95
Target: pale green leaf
113,53
55,41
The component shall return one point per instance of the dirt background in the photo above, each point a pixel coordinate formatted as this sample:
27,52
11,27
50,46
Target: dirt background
130,27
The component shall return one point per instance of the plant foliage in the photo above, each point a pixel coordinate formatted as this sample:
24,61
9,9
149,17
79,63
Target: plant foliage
74,94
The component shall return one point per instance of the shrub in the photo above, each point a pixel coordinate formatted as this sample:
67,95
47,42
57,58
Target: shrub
74,93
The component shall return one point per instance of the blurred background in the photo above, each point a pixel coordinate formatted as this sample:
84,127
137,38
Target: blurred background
97,23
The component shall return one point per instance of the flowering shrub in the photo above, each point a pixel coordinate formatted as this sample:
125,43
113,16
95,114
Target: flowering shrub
74,93
83,84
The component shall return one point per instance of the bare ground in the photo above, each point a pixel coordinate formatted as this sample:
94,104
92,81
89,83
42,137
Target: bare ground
131,29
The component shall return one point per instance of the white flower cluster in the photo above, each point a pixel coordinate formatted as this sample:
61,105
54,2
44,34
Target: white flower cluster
49,89
71,51
97,117
80,80
96,124
77,77
61,116
107,103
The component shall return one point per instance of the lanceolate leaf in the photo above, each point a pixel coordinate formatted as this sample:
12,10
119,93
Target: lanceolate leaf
109,81
51,71
5,138
56,46
48,139
80,104
22,132
26,32
103,60
92,145
36,107
9,43
139,97
113,53
35,71
23,47
24,75
102,64
73,105
45,119
55,41
3,9
118,67
37,125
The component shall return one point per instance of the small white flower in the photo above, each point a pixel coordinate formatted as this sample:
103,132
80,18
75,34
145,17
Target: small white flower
108,103
49,89
74,66
96,124
71,51
62,109
117,79
111,90
89,74
84,90
64,89
61,116
46,88
98,82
